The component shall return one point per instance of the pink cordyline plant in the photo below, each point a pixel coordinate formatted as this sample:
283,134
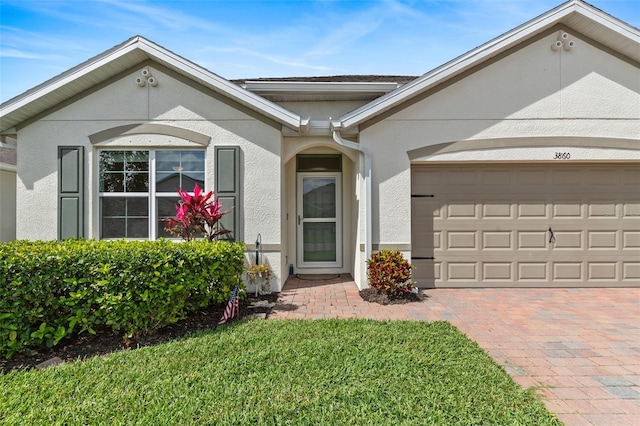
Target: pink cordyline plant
196,214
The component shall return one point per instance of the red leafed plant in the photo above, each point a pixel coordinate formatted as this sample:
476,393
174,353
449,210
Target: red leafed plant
389,272
196,214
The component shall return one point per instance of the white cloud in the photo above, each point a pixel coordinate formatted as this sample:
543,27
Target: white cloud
276,59
167,18
19,54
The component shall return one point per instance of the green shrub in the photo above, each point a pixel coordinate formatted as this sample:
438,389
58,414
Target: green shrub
50,290
389,272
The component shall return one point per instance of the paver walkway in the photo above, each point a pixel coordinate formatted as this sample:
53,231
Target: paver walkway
580,347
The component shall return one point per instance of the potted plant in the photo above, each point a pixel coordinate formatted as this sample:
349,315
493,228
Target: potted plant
260,276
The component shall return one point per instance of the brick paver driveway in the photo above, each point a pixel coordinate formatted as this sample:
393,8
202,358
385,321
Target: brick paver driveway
579,347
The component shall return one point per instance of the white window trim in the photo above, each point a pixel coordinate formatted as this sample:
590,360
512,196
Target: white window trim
151,194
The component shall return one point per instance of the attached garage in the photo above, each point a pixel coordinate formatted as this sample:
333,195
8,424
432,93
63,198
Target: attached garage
526,225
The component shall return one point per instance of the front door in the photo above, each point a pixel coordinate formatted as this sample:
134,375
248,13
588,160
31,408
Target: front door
319,220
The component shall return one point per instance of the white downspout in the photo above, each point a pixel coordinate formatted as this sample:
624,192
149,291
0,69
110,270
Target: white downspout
335,127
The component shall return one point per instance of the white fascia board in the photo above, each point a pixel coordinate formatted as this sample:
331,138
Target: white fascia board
65,78
224,86
480,54
608,21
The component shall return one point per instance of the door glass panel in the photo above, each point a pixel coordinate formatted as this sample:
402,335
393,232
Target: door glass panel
319,242
319,198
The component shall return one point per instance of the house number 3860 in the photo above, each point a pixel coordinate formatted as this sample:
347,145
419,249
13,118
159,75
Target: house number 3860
562,156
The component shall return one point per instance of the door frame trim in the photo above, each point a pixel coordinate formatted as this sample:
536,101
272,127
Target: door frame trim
338,220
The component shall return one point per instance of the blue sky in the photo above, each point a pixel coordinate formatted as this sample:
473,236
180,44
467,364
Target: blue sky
247,39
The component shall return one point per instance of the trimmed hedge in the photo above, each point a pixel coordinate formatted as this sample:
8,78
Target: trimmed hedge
50,290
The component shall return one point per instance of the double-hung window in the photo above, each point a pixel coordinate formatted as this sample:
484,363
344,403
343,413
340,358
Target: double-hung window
138,189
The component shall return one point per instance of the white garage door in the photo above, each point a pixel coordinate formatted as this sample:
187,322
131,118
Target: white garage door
557,225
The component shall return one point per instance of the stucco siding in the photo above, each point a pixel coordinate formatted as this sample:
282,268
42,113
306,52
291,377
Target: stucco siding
37,186
121,99
322,110
538,83
584,96
596,84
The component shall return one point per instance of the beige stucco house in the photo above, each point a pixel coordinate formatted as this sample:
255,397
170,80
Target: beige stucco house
515,164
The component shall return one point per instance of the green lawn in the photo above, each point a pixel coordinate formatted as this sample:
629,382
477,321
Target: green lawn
282,372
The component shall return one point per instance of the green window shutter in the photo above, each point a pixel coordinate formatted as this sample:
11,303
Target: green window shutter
70,192
227,188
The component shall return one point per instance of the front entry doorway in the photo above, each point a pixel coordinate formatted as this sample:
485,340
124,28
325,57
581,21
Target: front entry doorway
319,220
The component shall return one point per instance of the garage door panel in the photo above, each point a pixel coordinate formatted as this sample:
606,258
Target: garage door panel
462,271
461,210
631,178
631,210
602,271
500,178
532,240
425,209
497,210
572,177
566,209
603,240
532,271
497,240
531,176
462,240
465,178
437,240
497,271
566,271
423,180
532,209
491,226
630,272
567,240
631,240
604,176
602,210
426,271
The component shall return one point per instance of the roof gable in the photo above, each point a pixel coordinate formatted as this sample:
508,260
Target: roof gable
118,59
575,14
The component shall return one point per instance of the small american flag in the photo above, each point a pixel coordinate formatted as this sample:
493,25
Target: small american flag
232,307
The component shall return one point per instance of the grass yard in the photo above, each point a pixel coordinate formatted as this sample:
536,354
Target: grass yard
282,372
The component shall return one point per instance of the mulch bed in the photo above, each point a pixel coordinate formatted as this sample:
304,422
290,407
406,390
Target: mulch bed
372,295
106,341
